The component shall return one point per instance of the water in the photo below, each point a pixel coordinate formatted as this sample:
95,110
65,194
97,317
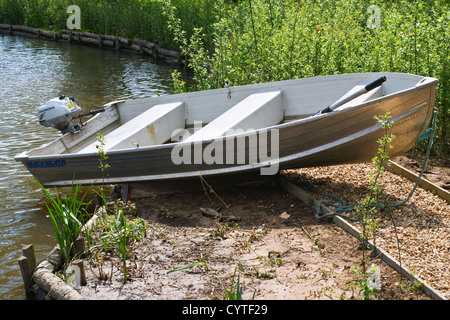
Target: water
32,72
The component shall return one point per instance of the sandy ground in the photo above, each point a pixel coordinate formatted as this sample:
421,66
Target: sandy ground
271,241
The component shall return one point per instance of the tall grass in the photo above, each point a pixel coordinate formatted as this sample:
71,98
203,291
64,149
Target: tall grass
142,19
67,215
117,233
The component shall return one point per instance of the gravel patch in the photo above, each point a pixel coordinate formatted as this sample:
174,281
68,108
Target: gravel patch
422,223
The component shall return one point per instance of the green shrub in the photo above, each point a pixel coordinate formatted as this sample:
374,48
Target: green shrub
267,40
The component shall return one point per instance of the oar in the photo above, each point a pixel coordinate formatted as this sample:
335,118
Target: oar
344,99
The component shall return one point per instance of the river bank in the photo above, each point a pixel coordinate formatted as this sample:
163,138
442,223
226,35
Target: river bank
101,41
276,246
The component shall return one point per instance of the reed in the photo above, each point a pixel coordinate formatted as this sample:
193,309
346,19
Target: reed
67,215
142,19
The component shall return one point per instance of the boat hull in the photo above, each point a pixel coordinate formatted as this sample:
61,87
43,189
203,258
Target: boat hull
340,137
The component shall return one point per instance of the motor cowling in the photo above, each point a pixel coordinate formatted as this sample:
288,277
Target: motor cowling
58,113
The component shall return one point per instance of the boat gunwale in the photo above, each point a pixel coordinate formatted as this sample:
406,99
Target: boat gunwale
275,84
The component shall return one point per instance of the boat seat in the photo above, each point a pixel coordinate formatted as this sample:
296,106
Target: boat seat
373,94
258,110
152,127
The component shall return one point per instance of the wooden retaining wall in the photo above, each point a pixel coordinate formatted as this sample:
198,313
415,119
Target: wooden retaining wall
102,41
40,280
424,184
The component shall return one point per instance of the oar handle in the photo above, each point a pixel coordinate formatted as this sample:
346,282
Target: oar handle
356,94
376,83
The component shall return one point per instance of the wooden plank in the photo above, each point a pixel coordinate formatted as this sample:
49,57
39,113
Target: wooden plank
258,110
424,184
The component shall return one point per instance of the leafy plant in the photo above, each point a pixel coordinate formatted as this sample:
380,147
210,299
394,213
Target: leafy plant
361,280
103,157
117,233
235,291
368,208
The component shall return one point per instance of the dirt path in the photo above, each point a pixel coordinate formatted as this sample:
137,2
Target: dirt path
273,243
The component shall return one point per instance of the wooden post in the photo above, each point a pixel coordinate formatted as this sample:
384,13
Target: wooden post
125,192
26,274
80,246
82,276
28,252
117,43
27,264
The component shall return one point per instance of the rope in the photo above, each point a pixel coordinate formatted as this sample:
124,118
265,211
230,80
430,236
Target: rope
427,134
342,208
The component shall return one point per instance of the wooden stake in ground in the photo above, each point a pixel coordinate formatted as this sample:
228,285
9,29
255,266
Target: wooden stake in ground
27,264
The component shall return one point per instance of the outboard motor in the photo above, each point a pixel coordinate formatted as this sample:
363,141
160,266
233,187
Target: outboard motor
58,113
